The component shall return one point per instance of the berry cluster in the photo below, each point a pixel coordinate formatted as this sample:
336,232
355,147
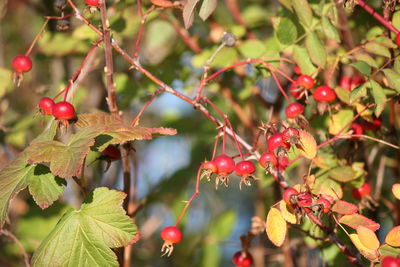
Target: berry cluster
62,110
305,202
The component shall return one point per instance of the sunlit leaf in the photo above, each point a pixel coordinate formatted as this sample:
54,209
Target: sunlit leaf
343,174
286,31
355,220
188,12
326,186
344,207
316,49
393,79
329,29
368,237
303,11
379,97
370,254
276,227
340,121
363,67
300,55
396,190
377,49
308,145
288,213
393,237
207,8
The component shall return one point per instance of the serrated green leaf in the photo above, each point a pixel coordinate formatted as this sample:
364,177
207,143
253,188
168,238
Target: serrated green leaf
287,4
303,11
393,79
377,49
329,187
343,174
207,8
363,67
329,29
252,48
359,91
379,97
316,49
286,32
303,60
367,59
84,237
343,94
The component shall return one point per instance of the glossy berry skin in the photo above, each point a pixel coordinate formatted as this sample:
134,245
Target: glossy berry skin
297,70
275,141
288,193
357,128
245,167
294,109
63,111
304,200
22,64
92,2
295,91
242,259
326,204
345,82
288,133
112,152
268,158
283,162
389,261
398,39
305,81
210,165
225,165
362,191
324,94
46,106
171,234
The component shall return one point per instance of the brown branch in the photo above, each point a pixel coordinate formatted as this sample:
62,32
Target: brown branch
19,244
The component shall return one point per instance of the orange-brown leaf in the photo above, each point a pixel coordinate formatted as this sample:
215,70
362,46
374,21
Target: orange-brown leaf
162,3
355,220
308,147
371,254
396,190
393,237
368,237
288,213
276,227
344,207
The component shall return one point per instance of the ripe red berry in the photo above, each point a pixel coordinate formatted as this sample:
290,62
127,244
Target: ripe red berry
304,200
294,109
242,259
92,2
297,70
356,81
389,261
357,128
398,39
275,141
268,158
63,110
345,82
22,63
46,106
283,162
294,90
210,166
371,126
288,193
171,234
245,167
324,94
362,191
305,81
326,204
290,135
225,165
112,152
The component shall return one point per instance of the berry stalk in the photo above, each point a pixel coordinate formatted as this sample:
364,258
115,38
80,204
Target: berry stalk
378,17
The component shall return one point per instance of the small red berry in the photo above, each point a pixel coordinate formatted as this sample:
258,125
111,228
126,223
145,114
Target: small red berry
290,134
362,191
210,166
225,165
112,152
356,81
389,261
63,110
275,141
326,204
92,2
268,158
295,91
245,167
398,39
171,234
305,81
304,200
294,109
283,162
297,70
288,193
22,63
371,126
357,128
46,106
324,94
345,82
242,259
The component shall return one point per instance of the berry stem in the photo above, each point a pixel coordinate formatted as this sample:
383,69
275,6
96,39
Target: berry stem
216,144
28,52
143,18
376,15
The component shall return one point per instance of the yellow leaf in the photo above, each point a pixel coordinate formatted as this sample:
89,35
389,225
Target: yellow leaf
393,237
287,213
371,254
396,190
308,147
368,237
366,114
340,121
276,227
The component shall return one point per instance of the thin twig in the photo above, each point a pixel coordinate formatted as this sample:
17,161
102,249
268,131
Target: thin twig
19,244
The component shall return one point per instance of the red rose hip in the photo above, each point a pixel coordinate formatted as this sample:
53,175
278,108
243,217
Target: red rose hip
46,106
225,165
92,2
324,94
171,234
294,109
275,141
362,191
22,64
245,167
268,158
112,152
305,81
63,110
288,193
242,259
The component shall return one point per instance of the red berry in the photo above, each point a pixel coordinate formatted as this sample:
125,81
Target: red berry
210,165
326,204
304,200
46,106
245,167
275,141
288,193
22,63
324,94
225,165
268,158
283,162
345,82
63,110
297,70
171,234
242,259
294,109
289,133
357,128
390,262
371,126
398,39
92,2
294,90
356,81
112,152
305,81
362,191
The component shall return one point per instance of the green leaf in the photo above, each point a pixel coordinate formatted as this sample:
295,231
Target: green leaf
329,29
286,32
387,250
207,8
396,64
367,59
343,94
343,174
329,187
338,121
363,67
396,19
379,97
6,81
287,4
303,11
393,79
316,49
377,49
359,91
84,237
303,60
188,12
252,48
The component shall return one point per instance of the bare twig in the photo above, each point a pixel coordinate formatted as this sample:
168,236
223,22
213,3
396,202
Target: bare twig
19,244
